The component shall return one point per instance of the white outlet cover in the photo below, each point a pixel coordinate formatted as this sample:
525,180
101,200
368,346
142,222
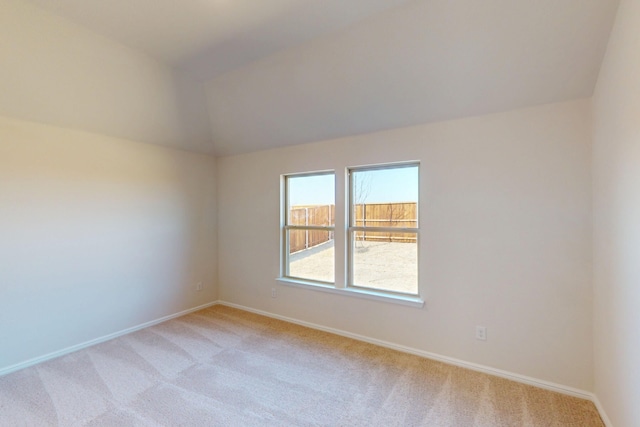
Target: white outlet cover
481,333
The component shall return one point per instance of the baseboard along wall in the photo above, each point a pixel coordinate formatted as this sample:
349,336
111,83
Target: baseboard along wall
36,360
547,385
605,418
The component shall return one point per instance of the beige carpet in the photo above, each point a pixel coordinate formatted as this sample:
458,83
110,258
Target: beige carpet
226,367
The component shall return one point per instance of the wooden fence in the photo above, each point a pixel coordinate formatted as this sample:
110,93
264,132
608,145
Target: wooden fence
402,215
310,215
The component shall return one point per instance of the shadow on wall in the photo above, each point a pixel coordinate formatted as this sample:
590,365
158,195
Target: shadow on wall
98,235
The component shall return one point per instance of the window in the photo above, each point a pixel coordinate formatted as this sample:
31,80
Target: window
383,228
376,245
309,227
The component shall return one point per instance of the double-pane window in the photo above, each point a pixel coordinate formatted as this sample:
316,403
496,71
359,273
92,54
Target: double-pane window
383,228
309,227
380,235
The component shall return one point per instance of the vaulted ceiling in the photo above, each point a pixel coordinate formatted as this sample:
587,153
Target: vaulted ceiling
210,37
282,72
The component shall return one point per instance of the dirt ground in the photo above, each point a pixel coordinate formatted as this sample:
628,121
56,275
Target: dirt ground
377,265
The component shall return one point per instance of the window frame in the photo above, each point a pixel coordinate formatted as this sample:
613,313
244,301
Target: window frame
343,260
286,228
351,229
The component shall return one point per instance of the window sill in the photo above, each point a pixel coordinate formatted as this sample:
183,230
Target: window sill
411,301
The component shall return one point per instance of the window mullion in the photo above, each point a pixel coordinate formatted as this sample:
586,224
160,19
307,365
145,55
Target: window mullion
384,229
310,227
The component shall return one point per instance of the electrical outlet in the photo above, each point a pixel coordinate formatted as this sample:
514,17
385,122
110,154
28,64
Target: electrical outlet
481,333
199,286
274,292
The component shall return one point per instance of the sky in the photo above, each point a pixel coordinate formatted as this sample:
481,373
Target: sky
372,186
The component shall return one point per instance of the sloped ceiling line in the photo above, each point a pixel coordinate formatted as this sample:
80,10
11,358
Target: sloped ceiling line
284,72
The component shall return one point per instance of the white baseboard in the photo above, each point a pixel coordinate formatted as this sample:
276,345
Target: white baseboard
603,414
434,356
547,385
64,351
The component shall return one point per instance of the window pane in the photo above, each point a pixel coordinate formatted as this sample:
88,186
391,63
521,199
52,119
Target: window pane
311,255
311,200
300,240
385,197
385,261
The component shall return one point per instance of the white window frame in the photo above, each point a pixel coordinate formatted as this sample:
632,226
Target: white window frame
286,227
352,229
343,256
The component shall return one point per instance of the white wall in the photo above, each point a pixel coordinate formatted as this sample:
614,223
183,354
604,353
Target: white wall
616,206
54,71
97,234
505,243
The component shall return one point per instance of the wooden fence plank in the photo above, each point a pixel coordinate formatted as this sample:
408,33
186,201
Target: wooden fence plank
402,215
